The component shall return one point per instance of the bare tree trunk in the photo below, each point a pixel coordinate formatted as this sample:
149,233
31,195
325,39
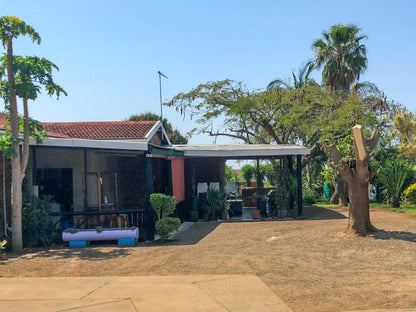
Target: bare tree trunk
17,240
340,196
359,218
358,178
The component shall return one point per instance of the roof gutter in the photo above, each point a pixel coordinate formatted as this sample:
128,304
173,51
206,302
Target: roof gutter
101,144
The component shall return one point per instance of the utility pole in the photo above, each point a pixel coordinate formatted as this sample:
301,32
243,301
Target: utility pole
160,92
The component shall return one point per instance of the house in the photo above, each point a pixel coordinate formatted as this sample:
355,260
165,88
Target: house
104,172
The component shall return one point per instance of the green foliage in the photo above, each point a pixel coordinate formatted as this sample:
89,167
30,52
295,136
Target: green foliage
342,56
309,197
215,203
280,116
12,27
31,74
328,173
247,172
405,130
285,187
163,205
393,174
166,226
6,140
3,246
299,81
260,175
410,193
38,227
174,135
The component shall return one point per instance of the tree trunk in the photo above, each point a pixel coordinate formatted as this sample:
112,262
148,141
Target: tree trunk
309,175
340,196
358,177
395,202
359,215
17,241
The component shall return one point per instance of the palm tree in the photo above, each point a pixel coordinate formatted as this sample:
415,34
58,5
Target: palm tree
12,27
299,81
342,56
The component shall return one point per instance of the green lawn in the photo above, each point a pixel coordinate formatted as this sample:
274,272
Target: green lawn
410,209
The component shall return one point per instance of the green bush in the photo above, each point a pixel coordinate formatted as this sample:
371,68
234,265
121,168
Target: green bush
309,197
38,227
166,226
164,205
215,203
410,193
247,172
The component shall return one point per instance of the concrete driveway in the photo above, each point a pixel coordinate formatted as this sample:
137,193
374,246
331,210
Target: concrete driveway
145,293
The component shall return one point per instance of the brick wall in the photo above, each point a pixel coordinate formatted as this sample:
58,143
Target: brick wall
131,181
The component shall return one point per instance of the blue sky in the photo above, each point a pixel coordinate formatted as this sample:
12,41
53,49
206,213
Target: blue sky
109,52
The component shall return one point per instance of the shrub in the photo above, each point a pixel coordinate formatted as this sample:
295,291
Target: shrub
164,205
38,227
309,197
393,175
166,226
410,193
214,203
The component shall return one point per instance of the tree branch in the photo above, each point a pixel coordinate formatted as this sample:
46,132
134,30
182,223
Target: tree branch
372,141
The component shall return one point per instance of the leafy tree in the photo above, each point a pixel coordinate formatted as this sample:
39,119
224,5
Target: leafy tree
25,78
342,56
10,28
299,81
174,135
405,129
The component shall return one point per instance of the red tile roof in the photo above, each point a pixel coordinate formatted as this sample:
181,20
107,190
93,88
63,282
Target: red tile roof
98,130
101,130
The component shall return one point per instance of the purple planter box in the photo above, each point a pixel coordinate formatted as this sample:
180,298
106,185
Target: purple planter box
106,234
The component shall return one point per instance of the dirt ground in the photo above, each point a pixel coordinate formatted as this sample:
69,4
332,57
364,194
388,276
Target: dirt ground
308,263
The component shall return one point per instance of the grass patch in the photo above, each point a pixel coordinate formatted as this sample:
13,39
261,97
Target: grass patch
325,205
372,205
410,209
379,205
405,208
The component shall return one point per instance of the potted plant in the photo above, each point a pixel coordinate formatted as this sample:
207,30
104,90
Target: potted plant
213,204
255,214
224,212
3,250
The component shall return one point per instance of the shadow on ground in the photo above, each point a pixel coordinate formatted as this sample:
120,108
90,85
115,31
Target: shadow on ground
320,213
94,252
190,236
388,235
86,253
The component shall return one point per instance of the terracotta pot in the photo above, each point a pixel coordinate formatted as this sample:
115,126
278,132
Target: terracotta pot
224,215
255,214
3,256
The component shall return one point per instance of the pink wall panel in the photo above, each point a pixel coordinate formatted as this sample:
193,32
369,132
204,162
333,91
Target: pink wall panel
178,179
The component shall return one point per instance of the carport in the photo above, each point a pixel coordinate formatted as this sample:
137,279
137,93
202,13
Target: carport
203,163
